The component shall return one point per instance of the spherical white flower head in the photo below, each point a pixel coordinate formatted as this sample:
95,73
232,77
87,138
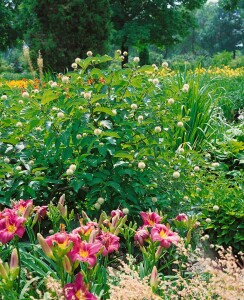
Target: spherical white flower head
171,101
72,167
154,199
215,207
6,160
141,165
31,162
215,164
118,52
25,95
21,101
176,174
98,104
140,118
211,246
186,198
35,91
97,206
125,53
196,169
208,220
136,59
60,115
84,134
19,124
78,136
122,57
180,124
154,65
97,131
69,172
65,79
133,106
206,236
54,84
198,189
87,95
50,82
155,81
54,108
125,211
38,128
74,65
18,168
157,129
77,60
165,64
100,200
89,53
4,97
180,150
185,88
114,111
81,107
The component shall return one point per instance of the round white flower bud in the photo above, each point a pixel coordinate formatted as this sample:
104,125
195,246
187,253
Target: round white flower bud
72,167
81,107
155,81
141,165
18,168
54,108
215,164
87,95
140,118
89,53
118,52
69,172
185,88
215,207
114,111
60,115
97,131
78,136
206,236
38,128
171,101
154,199
196,169
208,220
100,200
133,106
84,134
125,53
98,104
21,101
122,57
186,198
125,211
157,129
31,162
97,206
180,124
35,91
54,84
65,79
6,160
19,124
165,64
211,246
198,189
77,60
181,150
25,95
176,174
4,97
136,59
74,65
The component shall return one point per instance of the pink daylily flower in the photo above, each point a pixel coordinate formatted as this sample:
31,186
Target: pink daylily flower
78,290
181,217
86,252
141,235
164,235
117,212
85,230
109,241
150,218
22,206
10,225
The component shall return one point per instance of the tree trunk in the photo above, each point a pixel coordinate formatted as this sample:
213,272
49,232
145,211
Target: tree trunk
234,54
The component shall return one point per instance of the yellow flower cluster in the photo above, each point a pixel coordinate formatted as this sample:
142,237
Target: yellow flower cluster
224,71
21,84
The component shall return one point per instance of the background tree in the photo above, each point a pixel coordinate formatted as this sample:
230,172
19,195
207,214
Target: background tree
65,29
163,23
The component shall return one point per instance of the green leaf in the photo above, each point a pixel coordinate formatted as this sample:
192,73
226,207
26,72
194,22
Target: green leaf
114,185
49,96
106,110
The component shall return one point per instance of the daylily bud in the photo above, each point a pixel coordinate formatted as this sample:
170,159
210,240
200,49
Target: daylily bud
66,264
28,210
158,252
85,216
154,278
45,248
3,272
62,199
14,262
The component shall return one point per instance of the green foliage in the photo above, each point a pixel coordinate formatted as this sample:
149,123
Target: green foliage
222,58
64,30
